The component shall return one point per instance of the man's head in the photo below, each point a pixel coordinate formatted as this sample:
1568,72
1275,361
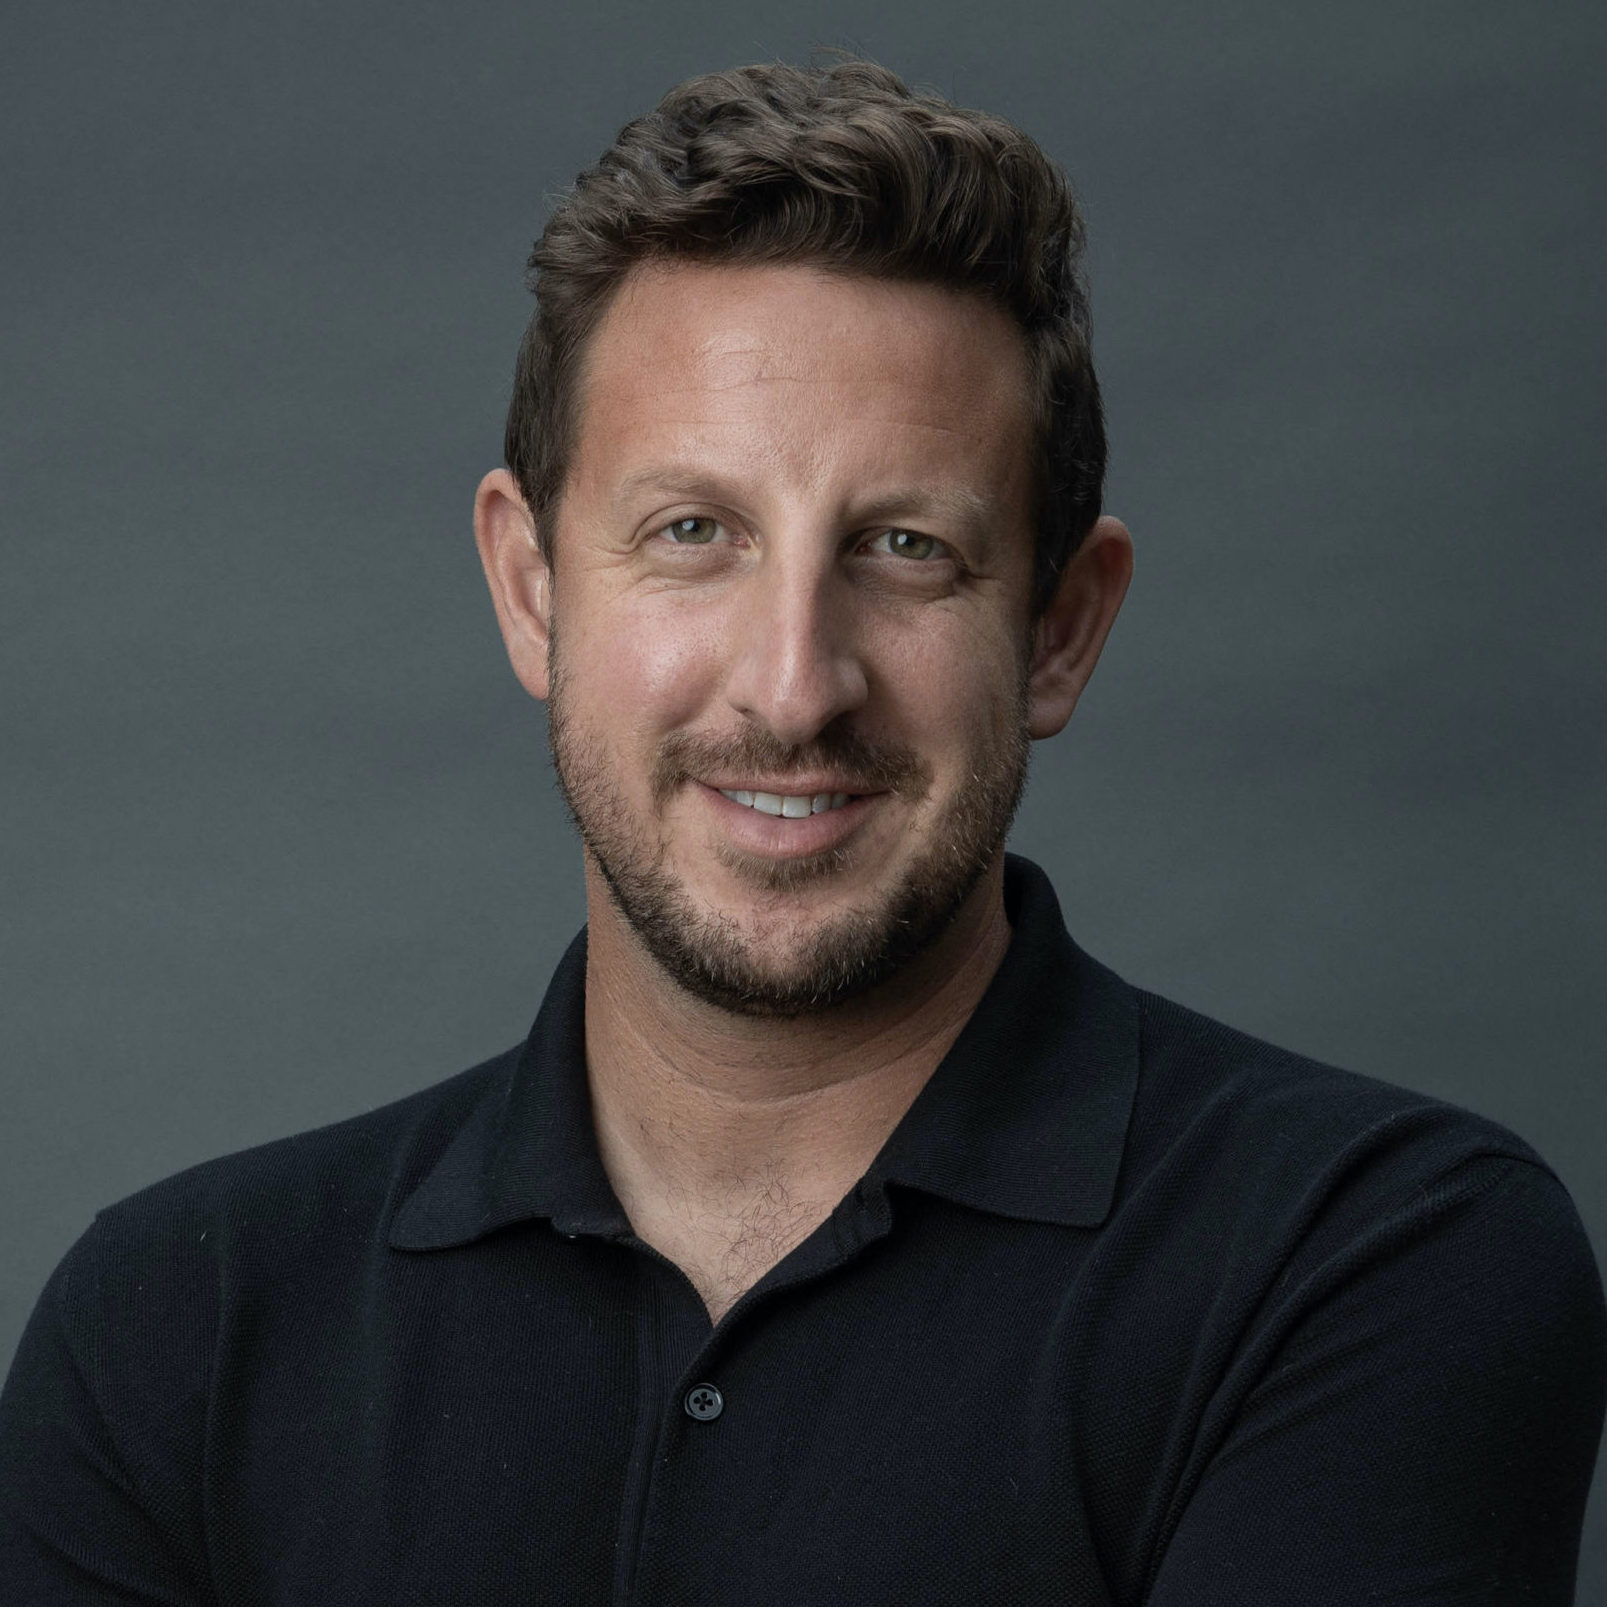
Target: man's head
808,376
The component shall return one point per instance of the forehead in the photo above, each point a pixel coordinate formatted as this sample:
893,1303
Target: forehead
811,372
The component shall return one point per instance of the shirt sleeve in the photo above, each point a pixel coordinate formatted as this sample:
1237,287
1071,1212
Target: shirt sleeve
1425,1432
89,1509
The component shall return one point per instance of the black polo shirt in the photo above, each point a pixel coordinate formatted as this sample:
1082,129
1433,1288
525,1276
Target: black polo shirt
1130,1308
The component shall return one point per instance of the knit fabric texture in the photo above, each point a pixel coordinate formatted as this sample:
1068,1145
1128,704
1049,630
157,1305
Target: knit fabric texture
1131,1308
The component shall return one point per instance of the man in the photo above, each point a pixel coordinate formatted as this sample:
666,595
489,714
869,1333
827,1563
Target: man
842,1233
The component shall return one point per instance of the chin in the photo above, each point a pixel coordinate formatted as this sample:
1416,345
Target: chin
780,960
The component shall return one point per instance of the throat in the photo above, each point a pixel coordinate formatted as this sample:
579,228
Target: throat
728,1140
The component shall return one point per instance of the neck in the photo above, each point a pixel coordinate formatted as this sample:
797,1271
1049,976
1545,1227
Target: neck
703,1114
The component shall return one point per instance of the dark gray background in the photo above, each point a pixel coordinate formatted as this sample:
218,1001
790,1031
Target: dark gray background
280,841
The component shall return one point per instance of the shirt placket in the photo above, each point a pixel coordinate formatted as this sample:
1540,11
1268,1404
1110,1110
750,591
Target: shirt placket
683,1403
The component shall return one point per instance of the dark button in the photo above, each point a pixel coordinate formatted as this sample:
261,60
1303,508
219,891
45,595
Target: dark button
704,1402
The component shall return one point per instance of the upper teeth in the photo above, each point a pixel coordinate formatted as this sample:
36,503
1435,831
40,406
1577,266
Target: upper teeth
794,806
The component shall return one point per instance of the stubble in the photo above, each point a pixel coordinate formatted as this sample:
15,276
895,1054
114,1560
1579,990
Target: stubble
705,950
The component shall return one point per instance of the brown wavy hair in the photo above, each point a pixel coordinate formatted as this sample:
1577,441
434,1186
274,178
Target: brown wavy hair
846,168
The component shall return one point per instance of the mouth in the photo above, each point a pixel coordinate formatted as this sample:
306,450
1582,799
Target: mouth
776,826
789,805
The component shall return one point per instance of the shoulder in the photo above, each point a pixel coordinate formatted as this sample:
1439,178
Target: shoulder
118,1366
1287,1210
1288,1120
1319,1270
1264,1163
325,1170
301,1200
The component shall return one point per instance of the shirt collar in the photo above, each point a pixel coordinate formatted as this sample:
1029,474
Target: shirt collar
1026,1116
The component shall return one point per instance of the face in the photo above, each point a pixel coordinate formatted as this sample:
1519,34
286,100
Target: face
789,649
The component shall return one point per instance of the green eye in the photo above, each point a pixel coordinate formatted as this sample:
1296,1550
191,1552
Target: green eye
908,544
696,531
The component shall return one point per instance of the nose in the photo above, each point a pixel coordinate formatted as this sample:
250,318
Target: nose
798,663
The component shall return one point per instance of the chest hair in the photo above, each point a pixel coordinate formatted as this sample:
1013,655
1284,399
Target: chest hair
726,1240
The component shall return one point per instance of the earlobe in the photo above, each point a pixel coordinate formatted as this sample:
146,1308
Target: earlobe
518,575
1071,633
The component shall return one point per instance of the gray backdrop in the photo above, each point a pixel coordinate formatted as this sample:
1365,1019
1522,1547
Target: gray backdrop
280,841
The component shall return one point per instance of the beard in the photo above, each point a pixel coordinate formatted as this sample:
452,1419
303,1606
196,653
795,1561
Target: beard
706,951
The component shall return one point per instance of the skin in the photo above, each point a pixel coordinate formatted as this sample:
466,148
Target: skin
727,560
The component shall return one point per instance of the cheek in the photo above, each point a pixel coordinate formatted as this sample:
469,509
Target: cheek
647,664
954,682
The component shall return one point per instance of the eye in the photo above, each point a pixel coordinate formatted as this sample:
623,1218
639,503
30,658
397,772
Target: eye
906,544
696,530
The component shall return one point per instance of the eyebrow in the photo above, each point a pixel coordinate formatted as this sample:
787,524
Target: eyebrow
672,481
952,503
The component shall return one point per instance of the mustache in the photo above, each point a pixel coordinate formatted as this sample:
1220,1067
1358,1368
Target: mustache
865,766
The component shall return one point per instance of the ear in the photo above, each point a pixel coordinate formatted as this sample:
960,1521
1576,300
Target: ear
1069,636
519,578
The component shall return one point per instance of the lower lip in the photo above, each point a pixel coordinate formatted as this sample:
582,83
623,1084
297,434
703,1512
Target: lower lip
776,837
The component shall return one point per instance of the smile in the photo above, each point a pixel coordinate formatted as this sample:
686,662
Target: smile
790,806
